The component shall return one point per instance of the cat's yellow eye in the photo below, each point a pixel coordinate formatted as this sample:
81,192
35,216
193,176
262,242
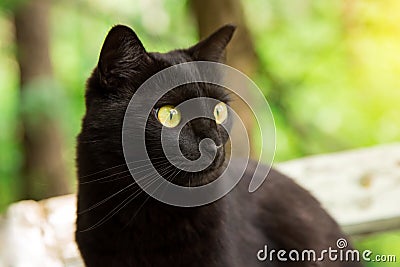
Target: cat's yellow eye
220,112
169,116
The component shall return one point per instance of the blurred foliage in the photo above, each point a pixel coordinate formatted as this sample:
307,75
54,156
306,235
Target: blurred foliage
337,65
386,244
335,68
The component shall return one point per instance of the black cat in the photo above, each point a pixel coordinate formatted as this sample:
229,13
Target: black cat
120,225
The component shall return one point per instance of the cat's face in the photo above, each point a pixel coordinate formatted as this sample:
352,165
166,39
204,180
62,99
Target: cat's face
123,66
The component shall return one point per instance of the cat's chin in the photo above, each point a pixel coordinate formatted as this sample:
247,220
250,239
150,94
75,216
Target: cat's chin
196,179
192,179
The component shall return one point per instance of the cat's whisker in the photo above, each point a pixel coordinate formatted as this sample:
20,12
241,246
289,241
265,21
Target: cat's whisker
121,172
120,206
144,202
115,210
108,216
173,176
105,200
163,172
148,176
111,196
103,178
166,178
130,175
116,166
116,179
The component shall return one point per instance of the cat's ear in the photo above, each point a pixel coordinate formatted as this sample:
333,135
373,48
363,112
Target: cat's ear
121,56
213,47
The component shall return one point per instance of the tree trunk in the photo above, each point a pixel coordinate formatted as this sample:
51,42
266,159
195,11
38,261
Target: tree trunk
43,169
210,15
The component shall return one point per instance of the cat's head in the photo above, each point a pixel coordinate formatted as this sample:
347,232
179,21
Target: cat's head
124,64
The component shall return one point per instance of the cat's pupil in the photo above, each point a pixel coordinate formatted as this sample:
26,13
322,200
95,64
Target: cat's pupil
172,113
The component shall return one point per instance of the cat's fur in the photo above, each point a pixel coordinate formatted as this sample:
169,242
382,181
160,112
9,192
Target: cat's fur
146,232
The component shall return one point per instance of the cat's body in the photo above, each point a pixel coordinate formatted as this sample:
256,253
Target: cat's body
121,231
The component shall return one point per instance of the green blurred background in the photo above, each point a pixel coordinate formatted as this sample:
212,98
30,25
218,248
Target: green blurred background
329,69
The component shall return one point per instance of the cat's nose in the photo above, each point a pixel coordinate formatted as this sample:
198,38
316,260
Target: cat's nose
209,147
212,147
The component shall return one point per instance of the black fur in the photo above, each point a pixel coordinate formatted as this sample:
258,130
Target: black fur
145,232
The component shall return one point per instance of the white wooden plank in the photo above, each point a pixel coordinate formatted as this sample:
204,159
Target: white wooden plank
354,186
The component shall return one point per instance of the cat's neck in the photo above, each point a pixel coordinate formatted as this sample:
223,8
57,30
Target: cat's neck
194,221
188,231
